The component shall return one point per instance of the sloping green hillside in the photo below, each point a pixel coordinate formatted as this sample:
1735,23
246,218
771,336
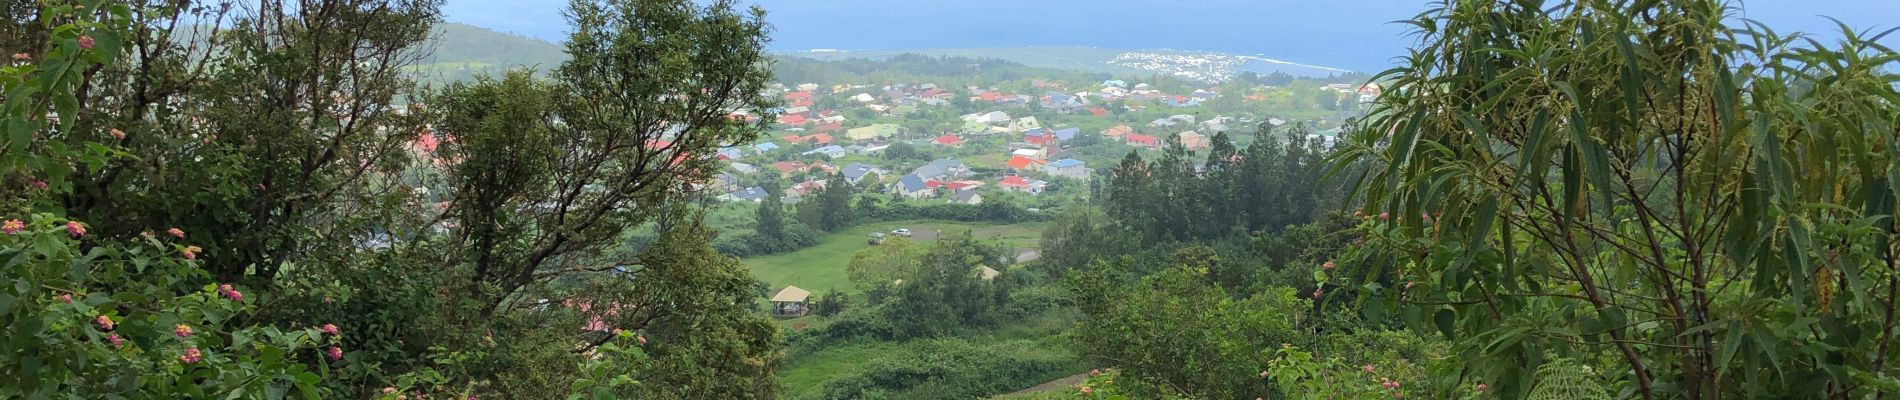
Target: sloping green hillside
461,51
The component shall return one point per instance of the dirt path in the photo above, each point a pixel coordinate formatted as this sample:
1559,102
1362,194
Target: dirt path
1050,386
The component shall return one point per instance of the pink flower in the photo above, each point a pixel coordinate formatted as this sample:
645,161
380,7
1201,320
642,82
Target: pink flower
389,390
1482,387
642,339
1397,395
12,226
22,56
1318,292
1408,285
1087,390
75,228
1383,216
182,330
191,252
64,298
1095,372
176,233
330,329
85,42
118,134
336,353
38,184
1264,374
1327,266
115,340
191,356
105,323
229,292
1368,368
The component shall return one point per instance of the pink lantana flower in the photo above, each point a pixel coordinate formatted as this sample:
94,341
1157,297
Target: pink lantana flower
330,329
22,56
230,292
75,228
1318,292
39,184
336,353
114,339
85,42
1087,390
1482,387
175,233
64,298
641,339
12,226
1368,368
191,356
117,134
182,330
1383,216
1327,266
105,323
191,252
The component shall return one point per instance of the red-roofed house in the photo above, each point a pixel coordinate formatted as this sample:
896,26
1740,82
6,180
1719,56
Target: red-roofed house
1022,163
1039,138
799,95
948,140
788,167
990,96
1097,111
794,120
830,127
1148,141
960,185
1020,184
820,139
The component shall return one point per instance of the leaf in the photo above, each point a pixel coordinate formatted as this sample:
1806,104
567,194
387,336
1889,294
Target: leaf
1444,319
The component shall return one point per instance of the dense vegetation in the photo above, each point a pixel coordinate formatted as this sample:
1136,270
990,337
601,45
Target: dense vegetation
274,207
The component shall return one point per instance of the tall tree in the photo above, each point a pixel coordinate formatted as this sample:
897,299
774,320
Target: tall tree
1705,210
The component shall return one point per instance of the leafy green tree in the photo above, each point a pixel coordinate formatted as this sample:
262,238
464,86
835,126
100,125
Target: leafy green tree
945,293
771,218
876,269
1642,188
834,204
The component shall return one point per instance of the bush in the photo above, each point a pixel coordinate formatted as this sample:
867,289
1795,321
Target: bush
138,320
953,369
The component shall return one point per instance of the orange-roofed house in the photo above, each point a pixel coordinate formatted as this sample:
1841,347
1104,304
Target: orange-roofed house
1021,163
1141,140
820,139
1118,131
948,140
1021,184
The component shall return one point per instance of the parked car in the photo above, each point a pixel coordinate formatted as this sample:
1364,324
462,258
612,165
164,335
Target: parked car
905,232
877,238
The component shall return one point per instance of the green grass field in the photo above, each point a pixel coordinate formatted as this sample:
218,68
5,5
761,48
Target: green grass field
821,268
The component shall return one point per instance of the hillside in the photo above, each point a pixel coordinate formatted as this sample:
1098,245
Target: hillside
461,51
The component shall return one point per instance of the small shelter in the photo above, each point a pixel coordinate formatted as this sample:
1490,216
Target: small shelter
790,302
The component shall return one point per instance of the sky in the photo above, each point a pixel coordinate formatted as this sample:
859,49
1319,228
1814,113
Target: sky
1350,34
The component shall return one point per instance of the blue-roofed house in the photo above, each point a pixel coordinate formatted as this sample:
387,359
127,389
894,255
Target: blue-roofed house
730,153
913,186
1067,167
942,169
763,147
833,151
1067,133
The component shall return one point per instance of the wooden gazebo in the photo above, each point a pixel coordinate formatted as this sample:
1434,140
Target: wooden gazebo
790,302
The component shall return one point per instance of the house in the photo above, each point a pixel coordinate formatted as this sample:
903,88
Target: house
1098,111
753,194
1192,140
793,120
987,273
730,153
1033,154
948,141
1067,133
787,168
833,151
912,186
1115,83
763,147
961,185
1118,131
806,188
858,171
1025,124
744,168
1067,167
863,98
966,196
993,117
1020,184
1039,137
790,302
1147,141
1020,163
942,169
873,132
819,139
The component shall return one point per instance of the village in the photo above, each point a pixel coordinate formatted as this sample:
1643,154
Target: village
900,138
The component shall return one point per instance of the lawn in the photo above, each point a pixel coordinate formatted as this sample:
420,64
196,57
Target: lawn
821,268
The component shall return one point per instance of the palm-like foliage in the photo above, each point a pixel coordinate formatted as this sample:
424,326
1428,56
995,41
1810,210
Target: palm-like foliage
1700,210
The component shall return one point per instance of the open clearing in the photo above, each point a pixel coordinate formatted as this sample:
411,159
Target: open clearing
821,268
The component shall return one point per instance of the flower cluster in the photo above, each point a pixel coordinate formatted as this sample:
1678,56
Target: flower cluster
229,292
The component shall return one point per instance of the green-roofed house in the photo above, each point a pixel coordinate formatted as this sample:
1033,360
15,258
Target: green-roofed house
873,131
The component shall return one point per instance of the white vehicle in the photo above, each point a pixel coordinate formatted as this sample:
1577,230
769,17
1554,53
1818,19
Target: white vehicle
905,232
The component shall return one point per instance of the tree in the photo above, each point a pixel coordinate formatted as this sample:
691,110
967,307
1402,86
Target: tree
835,204
1642,189
944,293
771,219
878,268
